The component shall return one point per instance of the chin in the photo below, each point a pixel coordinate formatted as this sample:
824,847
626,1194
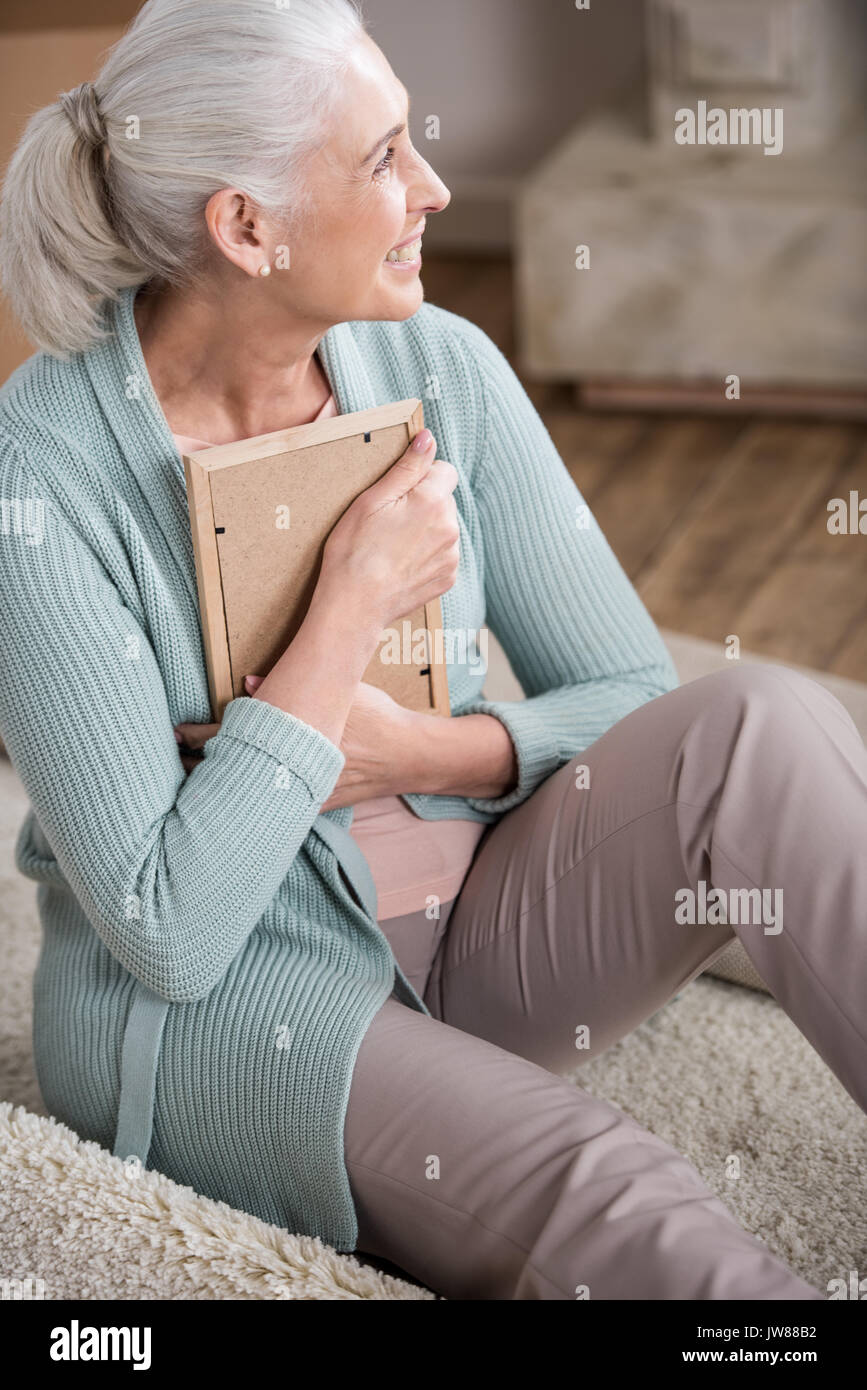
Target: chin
401,303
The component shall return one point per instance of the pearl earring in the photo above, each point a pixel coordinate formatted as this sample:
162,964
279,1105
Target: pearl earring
265,269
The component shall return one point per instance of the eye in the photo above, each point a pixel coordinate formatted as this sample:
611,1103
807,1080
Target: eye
384,162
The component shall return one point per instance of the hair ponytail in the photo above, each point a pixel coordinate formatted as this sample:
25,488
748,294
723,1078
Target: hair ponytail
59,257
196,95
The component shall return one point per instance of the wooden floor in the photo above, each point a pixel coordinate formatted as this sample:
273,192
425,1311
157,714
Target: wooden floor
720,524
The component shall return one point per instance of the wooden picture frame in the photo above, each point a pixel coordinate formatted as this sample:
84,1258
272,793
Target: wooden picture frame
261,510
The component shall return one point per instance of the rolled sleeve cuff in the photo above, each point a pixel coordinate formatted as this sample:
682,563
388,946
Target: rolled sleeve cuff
538,755
304,751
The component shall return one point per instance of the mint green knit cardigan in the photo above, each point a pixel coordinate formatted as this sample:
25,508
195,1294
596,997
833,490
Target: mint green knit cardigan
211,957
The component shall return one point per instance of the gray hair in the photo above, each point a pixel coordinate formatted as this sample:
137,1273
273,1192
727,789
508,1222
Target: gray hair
108,185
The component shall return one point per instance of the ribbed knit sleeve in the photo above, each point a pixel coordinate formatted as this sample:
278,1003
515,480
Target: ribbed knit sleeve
173,871
580,641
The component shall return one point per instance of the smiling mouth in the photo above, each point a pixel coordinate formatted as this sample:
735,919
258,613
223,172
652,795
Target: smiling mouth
405,253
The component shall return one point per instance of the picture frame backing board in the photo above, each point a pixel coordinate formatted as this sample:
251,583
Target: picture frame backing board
261,510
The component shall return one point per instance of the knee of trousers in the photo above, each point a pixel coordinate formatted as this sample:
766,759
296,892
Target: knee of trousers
754,720
624,1214
788,703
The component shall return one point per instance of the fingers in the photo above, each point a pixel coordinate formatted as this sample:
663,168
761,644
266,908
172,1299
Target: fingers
437,490
191,738
195,735
442,476
409,469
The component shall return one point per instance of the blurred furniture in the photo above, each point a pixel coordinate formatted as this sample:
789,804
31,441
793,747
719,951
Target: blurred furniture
706,261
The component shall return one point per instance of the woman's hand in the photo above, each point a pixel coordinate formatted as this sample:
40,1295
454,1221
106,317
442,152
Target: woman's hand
397,545
390,750
382,745
191,738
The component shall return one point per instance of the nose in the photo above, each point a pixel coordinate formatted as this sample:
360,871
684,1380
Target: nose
430,193
443,200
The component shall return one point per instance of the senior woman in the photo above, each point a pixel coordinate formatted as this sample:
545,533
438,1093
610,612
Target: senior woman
330,974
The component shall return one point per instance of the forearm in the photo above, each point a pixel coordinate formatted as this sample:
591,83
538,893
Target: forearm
551,728
317,677
468,755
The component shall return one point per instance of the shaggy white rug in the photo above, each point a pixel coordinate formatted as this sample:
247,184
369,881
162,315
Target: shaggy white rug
721,1073
92,1227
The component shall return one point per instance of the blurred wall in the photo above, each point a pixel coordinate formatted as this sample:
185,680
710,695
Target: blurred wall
507,78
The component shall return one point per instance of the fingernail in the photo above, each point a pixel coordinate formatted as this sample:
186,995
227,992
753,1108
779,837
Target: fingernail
423,442
178,737
247,680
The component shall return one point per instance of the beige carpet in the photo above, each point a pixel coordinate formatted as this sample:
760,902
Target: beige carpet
721,1073
92,1227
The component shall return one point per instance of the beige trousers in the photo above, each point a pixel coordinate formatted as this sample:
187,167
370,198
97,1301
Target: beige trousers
474,1165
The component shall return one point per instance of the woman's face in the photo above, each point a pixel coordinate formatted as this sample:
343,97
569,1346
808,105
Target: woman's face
371,191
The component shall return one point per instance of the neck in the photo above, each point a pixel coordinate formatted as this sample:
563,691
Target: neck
226,366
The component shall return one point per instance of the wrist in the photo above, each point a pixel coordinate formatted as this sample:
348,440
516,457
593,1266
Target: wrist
341,621
318,674
467,755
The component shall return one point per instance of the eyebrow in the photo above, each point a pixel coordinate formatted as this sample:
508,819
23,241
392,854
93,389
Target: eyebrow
389,135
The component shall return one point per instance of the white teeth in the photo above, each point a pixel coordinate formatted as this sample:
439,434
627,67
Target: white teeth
405,253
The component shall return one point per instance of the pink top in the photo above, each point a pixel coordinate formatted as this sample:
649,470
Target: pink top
411,859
